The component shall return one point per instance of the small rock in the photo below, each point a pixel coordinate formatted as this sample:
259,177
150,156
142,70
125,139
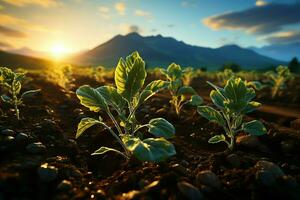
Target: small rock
77,111
22,137
265,178
234,160
295,124
36,148
8,132
65,185
47,173
249,141
287,146
189,191
208,178
185,163
9,139
180,169
270,167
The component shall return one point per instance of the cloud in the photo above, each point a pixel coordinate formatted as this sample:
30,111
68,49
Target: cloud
120,7
104,12
189,3
127,28
142,13
9,32
42,3
171,25
283,37
4,45
260,3
258,20
134,29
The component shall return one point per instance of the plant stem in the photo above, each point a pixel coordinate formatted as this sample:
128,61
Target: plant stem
118,139
115,122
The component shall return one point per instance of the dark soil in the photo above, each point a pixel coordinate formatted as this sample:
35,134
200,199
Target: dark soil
52,117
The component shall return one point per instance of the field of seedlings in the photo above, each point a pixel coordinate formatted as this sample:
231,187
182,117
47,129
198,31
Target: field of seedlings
162,133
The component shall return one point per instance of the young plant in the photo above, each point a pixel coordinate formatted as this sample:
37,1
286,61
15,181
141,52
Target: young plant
124,100
181,94
233,102
188,75
278,80
12,84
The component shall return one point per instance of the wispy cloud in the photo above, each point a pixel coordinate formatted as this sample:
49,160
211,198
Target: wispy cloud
42,3
189,3
18,23
260,3
120,8
265,19
104,12
283,37
4,45
142,13
129,28
9,32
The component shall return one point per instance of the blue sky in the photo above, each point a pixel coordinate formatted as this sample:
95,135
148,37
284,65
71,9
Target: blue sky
74,25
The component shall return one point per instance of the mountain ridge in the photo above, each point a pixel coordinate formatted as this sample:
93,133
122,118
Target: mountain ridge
161,51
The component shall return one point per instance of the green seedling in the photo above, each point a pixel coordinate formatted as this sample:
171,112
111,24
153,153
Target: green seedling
11,82
279,79
181,94
121,104
188,75
233,102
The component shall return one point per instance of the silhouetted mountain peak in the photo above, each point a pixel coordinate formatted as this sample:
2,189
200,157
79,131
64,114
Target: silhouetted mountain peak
161,51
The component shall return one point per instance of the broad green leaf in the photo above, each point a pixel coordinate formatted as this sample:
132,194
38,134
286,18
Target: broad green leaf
255,84
211,114
91,98
151,149
196,100
112,97
161,128
255,127
238,121
130,76
216,139
184,90
217,99
30,92
237,94
151,89
252,105
174,71
103,150
84,124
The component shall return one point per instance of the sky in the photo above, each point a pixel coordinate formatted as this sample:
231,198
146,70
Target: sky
67,26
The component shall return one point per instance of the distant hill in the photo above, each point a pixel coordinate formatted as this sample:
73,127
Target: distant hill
280,51
25,51
15,61
161,51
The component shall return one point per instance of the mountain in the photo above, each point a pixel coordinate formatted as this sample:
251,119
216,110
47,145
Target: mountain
161,51
280,51
15,60
25,51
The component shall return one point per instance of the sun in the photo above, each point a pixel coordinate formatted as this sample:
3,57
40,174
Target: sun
59,51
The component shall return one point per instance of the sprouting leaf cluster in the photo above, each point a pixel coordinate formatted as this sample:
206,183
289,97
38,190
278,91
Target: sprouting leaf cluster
181,94
120,103
279,79
11,82
232,103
